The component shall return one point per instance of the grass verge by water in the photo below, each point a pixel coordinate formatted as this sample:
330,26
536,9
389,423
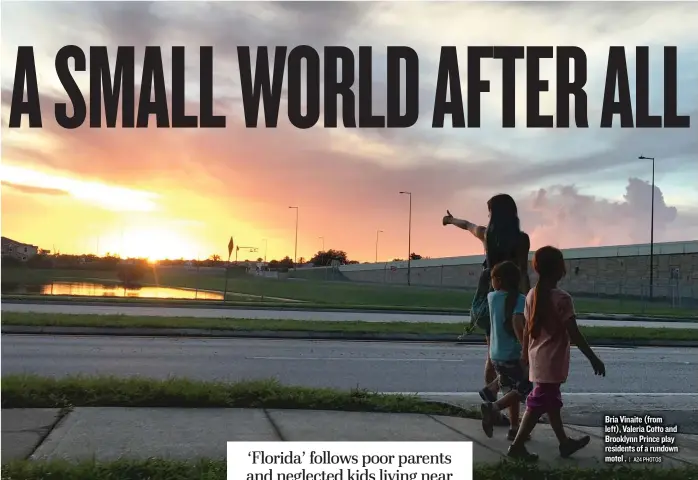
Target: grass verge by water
230,303
31,391
339,293
157,469
242,324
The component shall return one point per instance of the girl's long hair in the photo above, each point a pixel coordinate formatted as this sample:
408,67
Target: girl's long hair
549,263
508,276
503,229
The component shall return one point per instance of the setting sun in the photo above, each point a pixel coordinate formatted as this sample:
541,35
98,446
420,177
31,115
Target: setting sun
154,243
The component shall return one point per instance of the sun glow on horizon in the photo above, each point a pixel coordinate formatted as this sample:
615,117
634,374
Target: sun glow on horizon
153,243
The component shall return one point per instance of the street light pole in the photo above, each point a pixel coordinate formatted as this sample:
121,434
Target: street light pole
642,157
323,243
409,240
265,249
295,250
377,232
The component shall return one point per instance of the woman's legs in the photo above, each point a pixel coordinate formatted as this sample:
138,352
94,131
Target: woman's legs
490,373
514,414
489,393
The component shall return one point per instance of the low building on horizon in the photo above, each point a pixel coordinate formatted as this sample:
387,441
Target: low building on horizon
21,251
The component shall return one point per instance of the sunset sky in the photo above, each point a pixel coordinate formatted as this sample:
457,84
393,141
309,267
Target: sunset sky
183,193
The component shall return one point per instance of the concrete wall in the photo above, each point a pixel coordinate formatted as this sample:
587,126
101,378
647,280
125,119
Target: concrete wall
622,270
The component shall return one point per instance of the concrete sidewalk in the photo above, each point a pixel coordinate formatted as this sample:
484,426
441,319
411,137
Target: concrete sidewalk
139,433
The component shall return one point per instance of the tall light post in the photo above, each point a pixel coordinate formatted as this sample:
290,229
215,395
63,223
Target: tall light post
377,232
295,250
323,243
409,239
642,157
265,249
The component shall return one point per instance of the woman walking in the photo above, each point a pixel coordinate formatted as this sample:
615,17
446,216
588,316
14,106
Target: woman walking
503,241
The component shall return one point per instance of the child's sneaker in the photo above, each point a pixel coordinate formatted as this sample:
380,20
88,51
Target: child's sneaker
573,445
487,410
520,453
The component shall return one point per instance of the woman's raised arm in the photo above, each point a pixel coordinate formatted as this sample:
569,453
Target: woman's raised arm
477,230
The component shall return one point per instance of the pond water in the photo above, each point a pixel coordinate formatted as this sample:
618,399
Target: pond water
91,289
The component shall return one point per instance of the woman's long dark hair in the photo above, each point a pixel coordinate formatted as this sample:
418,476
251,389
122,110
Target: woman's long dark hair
549,263
503,230
508,276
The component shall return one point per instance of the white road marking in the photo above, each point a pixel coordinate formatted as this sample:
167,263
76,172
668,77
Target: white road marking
359,359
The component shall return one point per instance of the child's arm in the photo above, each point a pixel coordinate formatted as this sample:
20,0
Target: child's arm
524,348
518,323
578,338
569,320
520,332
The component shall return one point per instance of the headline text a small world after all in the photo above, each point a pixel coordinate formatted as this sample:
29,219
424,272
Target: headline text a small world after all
317,81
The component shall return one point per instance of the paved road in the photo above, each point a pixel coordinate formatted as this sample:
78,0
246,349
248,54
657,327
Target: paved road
337,316
396,367
639,380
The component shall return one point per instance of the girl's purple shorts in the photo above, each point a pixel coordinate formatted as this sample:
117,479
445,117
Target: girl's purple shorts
544,398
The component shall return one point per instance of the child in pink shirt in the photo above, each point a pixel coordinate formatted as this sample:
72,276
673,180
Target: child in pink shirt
550,325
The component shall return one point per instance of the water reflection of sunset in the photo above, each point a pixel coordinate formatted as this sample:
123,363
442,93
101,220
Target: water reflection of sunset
116,290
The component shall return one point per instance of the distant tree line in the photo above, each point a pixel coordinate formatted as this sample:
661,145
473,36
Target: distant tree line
135,268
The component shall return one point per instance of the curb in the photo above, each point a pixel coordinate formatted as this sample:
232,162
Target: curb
318,309
303,335
634,318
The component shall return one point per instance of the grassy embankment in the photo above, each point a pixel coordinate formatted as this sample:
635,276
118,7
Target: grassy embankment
35,392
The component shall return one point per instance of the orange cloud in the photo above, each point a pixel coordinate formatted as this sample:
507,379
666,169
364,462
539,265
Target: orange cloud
106,196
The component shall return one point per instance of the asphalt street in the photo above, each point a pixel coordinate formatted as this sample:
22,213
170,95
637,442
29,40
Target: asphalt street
336,316
378,366
661,381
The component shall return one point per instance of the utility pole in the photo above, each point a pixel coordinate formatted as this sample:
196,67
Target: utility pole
409,241
642,157
377,232
295,250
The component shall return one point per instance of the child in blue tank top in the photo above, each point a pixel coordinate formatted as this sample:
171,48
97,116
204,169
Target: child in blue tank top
507,346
